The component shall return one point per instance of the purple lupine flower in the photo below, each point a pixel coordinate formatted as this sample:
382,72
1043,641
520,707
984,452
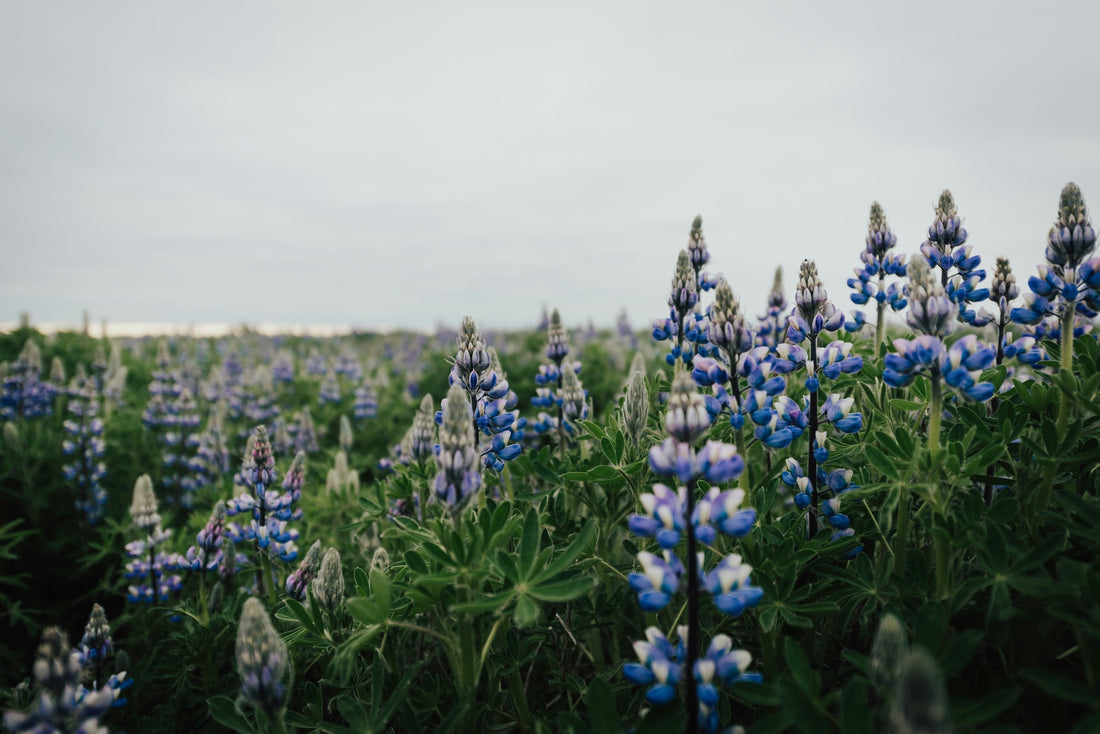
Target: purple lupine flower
206,554
298,581
658,581
282,367
262,661
305,438
699,256
682,298
459,477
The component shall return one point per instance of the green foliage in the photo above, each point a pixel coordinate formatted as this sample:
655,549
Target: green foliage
517,615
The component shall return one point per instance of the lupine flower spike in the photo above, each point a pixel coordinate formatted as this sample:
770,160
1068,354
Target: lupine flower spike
63,704
870,281
682,299
262,662
459,477
671,515
946,250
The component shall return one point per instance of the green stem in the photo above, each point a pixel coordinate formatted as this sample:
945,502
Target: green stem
1066,368
467,660
202,599
265,579
901,535
943,566
935,416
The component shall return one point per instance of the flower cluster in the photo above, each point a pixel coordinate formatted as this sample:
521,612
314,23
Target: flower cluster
660,667
23,394
494,413
685,325
869,282
551,381
946,250
270,510
931,314
813,312
86,447
63,704
262,661
330,388
366,402
838,482
670,516
459,477
206,554
149,568
1068,283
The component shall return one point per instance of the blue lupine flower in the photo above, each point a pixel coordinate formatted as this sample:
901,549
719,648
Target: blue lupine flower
63,705
960,365
699,256
663,518
366,402
270,510
330,388
660,667
282,367
305,436
731,585
682,298
721,510
870,281
85,444
946,250
658,581
23,394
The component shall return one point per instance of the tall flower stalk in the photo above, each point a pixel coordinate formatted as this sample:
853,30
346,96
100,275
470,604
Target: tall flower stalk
670,515
813,313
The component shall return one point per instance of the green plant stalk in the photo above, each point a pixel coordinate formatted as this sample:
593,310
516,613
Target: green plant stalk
943,566
935,419
202,599
1042,499
901,533
467,659
265,578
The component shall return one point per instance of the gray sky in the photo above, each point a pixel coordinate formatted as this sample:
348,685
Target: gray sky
402,164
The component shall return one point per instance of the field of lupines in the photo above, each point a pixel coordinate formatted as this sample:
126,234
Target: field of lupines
782,523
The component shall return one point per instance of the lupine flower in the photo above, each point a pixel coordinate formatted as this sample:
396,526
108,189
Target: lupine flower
380,560
682,299
85,444
931,312
143,507
813,312
730,584
330,389
270,510
262,661
206,554
960,365
945,249
211,459
1069,282
23,394
298,581
458,478
772,328
282,367
573,397
179,424
63,705
423,431
635,410
699,256
870,281
366,402
328,586
95,646
305,438
661,669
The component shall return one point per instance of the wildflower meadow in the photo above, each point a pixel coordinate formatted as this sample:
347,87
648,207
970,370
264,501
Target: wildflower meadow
861,507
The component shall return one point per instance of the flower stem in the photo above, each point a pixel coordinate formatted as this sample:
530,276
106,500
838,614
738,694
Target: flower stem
811,463
692,642
1066,367
935,412
943,566
901,534
880,324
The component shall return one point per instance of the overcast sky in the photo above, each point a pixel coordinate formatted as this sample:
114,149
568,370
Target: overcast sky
404,164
